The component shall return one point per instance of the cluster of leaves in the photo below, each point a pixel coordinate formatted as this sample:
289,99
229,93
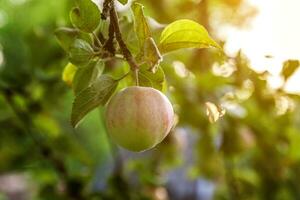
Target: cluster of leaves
90,50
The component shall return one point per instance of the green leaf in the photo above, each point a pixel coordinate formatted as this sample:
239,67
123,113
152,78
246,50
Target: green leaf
66,37
185,34
289,68
85,76
93,96
152,54
69,73
81,53
129,35
86,16
140,23
123,1
149,50
148,79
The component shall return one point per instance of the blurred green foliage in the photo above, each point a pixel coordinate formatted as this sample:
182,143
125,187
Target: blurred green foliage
250,153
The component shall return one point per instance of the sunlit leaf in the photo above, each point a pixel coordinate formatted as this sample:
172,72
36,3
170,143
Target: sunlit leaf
123,1
233,3
86,16
81,52
68,73
214,112
140,23
289,68
185,34
85,76
152,54
93,96
129,35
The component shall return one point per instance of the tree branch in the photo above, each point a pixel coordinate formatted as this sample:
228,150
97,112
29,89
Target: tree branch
109,44
127,54
106,7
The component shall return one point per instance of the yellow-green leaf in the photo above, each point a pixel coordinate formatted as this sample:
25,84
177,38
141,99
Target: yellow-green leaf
140,23
123,1
152,54
289,68
185,34
68,73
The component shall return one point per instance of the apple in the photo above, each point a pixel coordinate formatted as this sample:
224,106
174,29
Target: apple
139,118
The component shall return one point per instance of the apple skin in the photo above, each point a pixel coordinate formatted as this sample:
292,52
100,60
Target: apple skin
139,118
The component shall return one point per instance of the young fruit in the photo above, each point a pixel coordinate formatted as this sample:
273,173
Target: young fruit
139,118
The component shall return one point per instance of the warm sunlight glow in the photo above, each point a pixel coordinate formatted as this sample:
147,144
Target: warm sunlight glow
274,33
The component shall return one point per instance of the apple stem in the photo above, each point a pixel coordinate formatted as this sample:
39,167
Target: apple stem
136,71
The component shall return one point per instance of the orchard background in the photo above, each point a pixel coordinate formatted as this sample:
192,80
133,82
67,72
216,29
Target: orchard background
235,137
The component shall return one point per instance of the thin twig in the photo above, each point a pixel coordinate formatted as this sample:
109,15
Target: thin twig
122,77
101,38
97,40
136,74
127,54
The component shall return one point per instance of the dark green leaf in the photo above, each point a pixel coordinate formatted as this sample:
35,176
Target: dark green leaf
86,16
87,37
93,96
140,23
81,53
85,76
66,37
149,79
289,68
185,34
